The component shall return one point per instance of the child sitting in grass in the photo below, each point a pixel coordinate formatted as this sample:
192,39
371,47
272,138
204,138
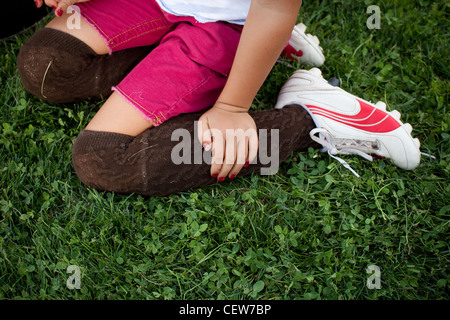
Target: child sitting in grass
196,66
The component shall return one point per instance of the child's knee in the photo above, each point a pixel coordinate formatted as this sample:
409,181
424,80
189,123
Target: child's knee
101,161
91,161
50,65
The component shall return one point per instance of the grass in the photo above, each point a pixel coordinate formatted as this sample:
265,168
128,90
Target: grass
309,232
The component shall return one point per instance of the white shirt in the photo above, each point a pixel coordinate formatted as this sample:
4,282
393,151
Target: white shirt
233,11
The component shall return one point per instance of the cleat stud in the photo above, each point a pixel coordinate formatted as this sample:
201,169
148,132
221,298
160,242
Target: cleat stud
417,143
316,40
408,127
381,105
316,72
395,114
301,27
313,39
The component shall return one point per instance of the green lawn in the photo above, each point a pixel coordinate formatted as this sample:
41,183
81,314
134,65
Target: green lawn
309,232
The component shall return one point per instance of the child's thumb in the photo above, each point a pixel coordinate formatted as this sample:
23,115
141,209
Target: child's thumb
204,134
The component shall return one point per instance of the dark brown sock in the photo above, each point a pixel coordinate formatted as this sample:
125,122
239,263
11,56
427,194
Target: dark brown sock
60,68
143,164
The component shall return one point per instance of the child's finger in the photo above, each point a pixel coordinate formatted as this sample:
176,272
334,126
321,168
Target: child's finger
38,3
205,137
50,3
62,7
204,134
231,143
217,154
241,157
246,152
253,146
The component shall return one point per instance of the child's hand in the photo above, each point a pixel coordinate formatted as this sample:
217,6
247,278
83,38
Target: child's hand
231,135
60,6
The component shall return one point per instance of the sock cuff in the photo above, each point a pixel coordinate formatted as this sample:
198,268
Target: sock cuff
98,140
60,40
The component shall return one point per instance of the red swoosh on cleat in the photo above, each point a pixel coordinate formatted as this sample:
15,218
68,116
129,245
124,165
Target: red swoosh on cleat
289,52
368,118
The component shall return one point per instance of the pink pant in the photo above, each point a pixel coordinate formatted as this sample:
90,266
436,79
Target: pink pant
187,70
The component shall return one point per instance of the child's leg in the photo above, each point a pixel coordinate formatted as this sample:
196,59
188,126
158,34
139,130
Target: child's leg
149,164
62,64
118,115
59,68
119,151
86,33
156,162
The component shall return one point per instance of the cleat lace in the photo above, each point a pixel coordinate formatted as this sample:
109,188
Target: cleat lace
334,146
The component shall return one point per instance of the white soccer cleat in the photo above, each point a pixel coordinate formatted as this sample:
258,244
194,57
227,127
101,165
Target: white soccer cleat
304,47
347,124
